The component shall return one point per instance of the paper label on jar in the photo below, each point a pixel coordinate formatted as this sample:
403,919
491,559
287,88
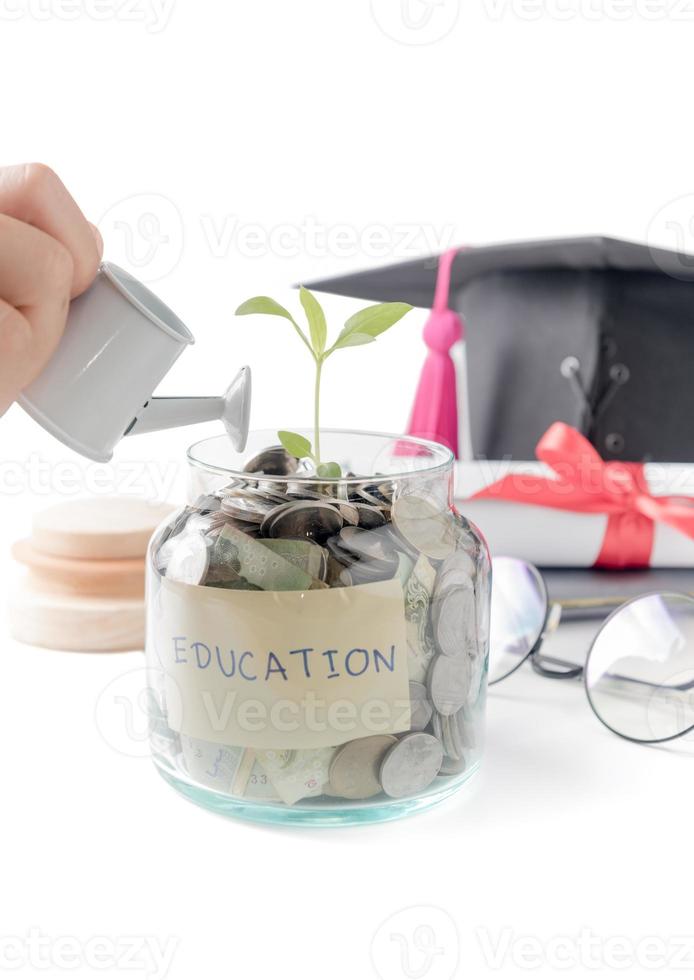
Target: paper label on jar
287,670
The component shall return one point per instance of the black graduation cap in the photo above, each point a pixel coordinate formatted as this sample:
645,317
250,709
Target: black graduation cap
595,332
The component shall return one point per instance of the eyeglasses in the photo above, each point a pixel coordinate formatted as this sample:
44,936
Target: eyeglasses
639,672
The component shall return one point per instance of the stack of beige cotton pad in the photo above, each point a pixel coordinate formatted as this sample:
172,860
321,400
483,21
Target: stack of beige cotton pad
85,568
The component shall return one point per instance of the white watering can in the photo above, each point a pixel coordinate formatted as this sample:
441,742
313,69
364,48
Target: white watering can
119,342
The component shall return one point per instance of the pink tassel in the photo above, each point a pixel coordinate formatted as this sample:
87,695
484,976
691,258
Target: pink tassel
435,411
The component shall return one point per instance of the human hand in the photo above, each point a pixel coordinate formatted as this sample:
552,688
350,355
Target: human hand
49,253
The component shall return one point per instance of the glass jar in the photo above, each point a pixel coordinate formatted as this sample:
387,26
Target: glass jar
317,647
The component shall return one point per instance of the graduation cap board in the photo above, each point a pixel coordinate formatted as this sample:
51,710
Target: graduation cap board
594,332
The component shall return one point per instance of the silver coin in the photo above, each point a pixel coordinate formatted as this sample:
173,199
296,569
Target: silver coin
427,527
453,767
303,519
448,683
273,461
458,569
370,517
297,491
207,503
437,726
365,572
355,767
189,558
420,707
449,750
334,547
370,495
368,544
464,724
249,510
350,513
386,491
411,765
263,491
454,621
452,736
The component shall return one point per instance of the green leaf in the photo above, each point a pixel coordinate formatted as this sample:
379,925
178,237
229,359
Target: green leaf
353,340
295,444
317,326
331,471
263,304
373,320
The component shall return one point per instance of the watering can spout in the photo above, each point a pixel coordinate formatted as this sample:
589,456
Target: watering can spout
233,408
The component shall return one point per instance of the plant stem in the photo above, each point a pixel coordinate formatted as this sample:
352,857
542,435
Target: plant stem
316,412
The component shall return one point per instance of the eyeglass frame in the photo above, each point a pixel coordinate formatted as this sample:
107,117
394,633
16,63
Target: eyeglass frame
553,611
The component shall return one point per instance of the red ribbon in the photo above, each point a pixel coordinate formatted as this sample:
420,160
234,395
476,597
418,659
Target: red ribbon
586,484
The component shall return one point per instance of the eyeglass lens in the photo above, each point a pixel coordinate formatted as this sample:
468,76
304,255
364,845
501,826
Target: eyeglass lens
639,675
518,614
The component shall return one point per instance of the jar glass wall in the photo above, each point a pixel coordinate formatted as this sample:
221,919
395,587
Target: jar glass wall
317,647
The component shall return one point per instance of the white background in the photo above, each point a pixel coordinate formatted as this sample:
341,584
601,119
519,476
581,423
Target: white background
227,149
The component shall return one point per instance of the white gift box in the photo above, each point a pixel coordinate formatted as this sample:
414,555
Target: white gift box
557,538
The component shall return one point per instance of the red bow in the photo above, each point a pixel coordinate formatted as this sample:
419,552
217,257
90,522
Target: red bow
587,484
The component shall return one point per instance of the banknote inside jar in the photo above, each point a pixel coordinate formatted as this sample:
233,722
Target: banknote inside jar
293,531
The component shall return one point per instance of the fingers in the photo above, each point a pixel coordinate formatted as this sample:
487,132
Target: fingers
36,280
34,194
15,354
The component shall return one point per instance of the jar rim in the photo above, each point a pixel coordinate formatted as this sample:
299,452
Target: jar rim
441,459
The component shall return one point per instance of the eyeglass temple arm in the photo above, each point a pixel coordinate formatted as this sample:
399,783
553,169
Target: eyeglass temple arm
539,659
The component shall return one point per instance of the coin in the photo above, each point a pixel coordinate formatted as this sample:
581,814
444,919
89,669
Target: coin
451,737
454,621
302,519
370,517
337,574
188,559
355,767
411,764
458,569
425,526
368,544
249,510
371,496
453,767
206,503
274,461
420,707
437,726
465,728
349,512
263,491
448,683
